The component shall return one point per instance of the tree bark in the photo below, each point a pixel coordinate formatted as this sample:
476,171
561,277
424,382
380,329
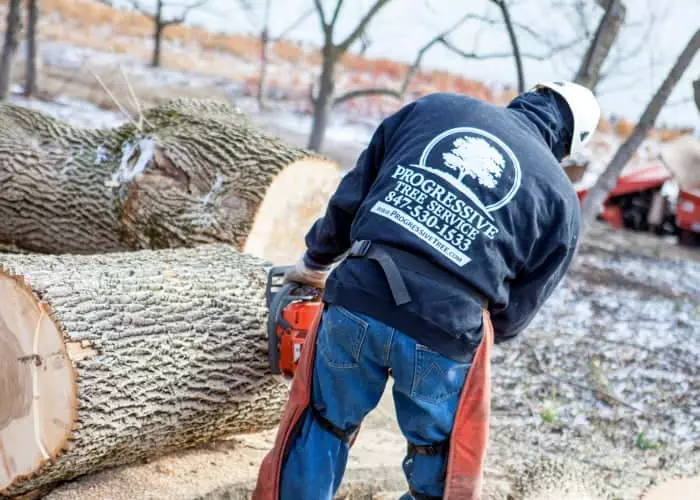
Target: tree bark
596,196
323,102
197,172
514,44
110,359
332,52
30,85
12,31
157,39
608,29
264,59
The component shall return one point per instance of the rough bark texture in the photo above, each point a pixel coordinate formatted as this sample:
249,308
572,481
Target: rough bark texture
607,180
14,26
174,352
196,173
588,73
30,85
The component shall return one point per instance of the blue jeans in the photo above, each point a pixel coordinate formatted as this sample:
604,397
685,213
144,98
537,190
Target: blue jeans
353,357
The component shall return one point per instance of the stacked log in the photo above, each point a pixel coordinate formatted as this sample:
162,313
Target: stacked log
108,359
192,172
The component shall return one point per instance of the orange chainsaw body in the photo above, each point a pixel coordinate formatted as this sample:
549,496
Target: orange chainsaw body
293,311
299,316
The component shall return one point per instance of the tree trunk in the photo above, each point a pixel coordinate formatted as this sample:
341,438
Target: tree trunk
157,41
199,172
323,102
14,26
596,196
262,80
603,40
514,44
30,85
110,359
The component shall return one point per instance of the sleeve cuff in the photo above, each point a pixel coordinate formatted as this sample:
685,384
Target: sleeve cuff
313,264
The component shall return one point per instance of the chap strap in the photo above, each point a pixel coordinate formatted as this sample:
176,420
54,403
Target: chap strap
386,255
365,248
430,450
345,435
420,496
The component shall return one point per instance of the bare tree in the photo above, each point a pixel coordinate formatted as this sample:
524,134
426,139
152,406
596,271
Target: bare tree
14,26
30,86
505,12
400,93
161,22
608,179
266,42
608,29
332,52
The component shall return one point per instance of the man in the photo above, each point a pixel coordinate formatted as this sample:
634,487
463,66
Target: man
458,221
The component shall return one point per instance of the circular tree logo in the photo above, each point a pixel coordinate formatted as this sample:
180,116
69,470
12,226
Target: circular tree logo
478,164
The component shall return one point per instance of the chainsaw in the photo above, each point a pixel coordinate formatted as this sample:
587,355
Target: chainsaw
293,309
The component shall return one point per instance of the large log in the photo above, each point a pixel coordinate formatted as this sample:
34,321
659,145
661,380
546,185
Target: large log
193,172
107,359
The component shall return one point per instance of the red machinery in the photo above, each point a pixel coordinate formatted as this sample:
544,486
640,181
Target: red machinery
637,202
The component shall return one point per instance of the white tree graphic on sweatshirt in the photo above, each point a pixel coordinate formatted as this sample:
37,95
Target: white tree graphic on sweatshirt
475,157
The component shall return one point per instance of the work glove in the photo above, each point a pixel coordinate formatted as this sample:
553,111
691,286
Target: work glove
304,274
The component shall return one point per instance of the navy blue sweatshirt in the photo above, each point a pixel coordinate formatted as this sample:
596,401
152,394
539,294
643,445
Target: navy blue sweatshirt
472,189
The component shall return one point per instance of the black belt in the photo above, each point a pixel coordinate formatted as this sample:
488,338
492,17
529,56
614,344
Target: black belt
377,252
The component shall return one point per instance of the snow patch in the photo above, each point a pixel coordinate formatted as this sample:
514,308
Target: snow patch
146,148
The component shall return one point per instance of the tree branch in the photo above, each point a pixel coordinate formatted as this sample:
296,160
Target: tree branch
605,36
295,24
361,26
353,94
514,43
336,12
321,15
493,55
183,17
135,4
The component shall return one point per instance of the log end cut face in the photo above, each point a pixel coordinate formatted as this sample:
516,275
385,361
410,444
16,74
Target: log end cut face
295,199
37,389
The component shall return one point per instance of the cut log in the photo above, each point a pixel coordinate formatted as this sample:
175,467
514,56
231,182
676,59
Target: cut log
194,172
108,359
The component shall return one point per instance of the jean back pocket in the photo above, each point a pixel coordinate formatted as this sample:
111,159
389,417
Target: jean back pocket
435,377
341,337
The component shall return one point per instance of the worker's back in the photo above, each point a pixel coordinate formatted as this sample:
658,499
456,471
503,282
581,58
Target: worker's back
477,193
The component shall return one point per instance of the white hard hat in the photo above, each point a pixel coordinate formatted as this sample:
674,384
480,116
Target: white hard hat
584,110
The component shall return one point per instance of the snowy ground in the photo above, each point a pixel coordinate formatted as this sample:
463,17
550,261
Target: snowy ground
608,374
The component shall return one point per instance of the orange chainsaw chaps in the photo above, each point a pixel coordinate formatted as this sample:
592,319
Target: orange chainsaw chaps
468,441
470,432
269,478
